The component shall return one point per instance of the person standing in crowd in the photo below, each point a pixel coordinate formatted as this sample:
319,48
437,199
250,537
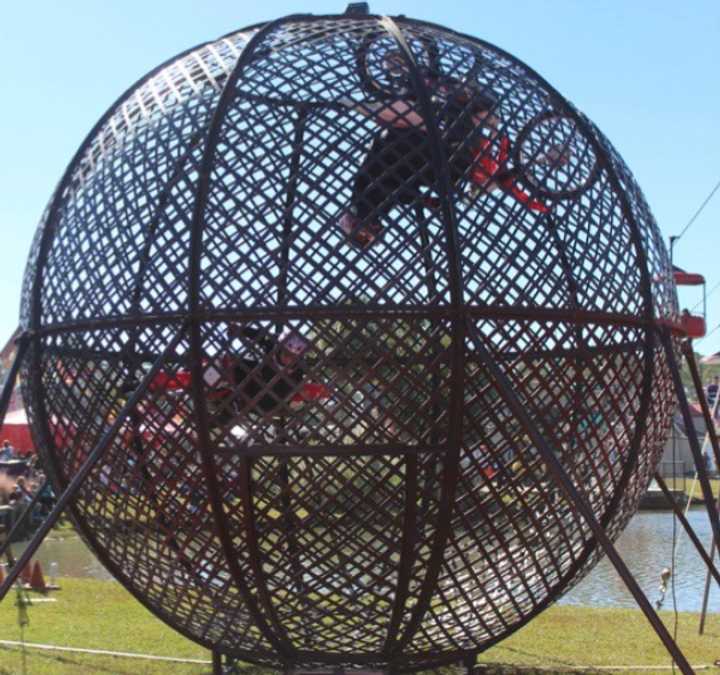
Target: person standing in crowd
711,393
7,451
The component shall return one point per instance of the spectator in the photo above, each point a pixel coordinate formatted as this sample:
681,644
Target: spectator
711,392
30,460
16,495
46,498
22,490
7,451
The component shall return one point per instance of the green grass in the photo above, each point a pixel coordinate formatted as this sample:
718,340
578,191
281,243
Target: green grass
566,638
102,615
63,530
686,484
96,615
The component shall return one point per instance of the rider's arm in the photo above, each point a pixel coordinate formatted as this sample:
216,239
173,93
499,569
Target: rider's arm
401,114
253,334
177,380
311,391
167,382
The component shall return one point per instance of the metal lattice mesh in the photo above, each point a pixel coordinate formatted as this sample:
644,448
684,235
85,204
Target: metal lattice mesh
376,501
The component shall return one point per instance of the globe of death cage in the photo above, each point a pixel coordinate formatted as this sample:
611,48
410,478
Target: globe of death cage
331,278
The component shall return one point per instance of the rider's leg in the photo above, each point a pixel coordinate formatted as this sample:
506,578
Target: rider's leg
390,173
371,189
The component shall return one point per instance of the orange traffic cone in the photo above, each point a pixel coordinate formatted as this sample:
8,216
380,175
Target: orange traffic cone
26,575
37,583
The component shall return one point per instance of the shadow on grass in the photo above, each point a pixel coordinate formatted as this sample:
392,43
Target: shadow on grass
553,666
509,669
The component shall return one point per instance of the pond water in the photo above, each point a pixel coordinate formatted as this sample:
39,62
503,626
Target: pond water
73,558
646,548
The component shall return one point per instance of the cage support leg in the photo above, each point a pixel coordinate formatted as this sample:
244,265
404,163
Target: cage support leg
690,427
97,452
706,594
564,482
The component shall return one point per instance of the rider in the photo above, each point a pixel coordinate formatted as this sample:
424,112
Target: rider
263,382
400,161
276,378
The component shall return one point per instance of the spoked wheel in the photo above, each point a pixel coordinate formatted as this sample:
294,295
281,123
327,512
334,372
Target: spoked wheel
555,157
381,65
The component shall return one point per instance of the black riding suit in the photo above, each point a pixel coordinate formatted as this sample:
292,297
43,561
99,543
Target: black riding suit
263,377
400,160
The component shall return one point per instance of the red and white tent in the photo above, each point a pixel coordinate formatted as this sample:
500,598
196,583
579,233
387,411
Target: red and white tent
15,426
16,430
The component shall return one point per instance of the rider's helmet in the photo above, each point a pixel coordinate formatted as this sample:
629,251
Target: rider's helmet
291,347
294,343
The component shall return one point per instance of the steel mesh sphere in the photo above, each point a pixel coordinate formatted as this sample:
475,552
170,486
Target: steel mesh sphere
403,516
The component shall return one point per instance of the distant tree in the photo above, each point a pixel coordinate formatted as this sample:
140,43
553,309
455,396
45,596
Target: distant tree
707,372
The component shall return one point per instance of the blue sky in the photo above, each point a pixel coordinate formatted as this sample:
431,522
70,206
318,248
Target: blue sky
645,72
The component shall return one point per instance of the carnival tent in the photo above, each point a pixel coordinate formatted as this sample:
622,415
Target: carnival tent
16,430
